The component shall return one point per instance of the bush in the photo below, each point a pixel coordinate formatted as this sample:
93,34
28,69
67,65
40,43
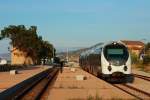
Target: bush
146,59
134,58
8,67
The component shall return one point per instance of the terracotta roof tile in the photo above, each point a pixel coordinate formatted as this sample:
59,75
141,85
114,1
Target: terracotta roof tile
136,48
128,42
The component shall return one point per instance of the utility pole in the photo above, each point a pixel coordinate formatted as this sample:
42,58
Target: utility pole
67,55
52,59
144,41
53,52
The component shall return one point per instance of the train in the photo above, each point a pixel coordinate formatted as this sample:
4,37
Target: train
110,61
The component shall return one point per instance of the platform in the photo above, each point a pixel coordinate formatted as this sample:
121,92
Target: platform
66,87
7,80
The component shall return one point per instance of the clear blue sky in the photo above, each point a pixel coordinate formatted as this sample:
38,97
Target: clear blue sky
80,23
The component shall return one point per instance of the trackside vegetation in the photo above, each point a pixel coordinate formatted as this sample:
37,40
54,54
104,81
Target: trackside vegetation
145,63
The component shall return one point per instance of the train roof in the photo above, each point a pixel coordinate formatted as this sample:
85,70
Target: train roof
96,49
93,50
114,42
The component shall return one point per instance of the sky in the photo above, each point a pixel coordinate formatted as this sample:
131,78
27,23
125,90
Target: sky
80,23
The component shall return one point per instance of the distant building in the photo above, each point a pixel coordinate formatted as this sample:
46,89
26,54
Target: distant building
5,57
3,61
134,46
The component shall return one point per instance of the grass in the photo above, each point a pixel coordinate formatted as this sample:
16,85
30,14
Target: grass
99,98
96,97
75,87
70,87
76,99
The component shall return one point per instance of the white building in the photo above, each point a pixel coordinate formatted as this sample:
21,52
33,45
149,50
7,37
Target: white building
3,61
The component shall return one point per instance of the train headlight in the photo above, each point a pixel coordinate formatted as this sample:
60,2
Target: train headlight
109,68
125,68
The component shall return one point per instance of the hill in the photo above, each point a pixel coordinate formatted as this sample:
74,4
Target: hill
5,56
74,55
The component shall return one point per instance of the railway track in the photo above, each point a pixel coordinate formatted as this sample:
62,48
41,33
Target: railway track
36,90
32,88
137,93
142,77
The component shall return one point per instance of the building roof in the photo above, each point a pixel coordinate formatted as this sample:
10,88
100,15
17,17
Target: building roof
129,42
136,48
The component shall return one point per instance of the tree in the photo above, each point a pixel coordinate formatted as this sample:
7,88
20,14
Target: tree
147,47
134,58
146,59
28,41
47,51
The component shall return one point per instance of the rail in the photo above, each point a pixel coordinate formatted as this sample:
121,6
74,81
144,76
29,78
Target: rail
137,93
24,88
142,77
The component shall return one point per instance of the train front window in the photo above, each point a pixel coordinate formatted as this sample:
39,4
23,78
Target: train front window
116,54
115,51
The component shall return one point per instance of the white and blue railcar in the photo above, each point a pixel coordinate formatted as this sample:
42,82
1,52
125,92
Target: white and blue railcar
109,61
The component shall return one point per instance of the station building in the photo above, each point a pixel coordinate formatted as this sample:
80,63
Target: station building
136,47
19,58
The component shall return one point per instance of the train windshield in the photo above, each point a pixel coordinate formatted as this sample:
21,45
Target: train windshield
115,51
116,55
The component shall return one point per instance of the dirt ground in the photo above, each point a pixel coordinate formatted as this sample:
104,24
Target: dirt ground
141,84
67,87
144,68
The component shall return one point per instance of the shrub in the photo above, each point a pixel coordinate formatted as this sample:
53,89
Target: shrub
134,58
8,67
146,59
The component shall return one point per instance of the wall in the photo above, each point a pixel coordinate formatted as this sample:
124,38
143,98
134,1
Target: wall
18,58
